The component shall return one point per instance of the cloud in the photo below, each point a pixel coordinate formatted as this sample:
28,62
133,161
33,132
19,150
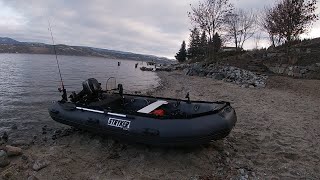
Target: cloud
141,26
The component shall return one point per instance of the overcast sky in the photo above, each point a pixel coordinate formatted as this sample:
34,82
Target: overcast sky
142,26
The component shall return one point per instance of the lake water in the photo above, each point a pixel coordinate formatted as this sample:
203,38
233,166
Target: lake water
28,84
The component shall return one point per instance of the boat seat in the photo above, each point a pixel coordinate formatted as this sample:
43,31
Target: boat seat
151,107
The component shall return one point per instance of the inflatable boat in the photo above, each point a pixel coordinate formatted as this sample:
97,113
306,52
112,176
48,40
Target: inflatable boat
144,119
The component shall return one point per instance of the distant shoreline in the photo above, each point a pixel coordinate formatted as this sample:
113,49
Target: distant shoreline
8,45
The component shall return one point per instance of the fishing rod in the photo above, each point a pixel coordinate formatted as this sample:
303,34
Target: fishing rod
63,90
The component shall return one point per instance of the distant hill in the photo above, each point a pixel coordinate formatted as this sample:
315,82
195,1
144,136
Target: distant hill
9,45
6,40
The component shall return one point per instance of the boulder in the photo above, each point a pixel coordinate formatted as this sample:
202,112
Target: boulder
4,159
219,76
13,151
245,86
40,164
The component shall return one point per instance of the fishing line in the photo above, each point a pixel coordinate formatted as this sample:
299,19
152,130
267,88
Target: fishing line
64,95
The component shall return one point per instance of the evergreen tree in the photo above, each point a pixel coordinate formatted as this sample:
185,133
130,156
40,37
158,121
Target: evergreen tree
182,54
216,43
194,44
203,45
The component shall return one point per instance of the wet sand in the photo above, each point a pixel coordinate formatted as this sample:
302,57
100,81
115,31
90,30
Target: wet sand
277,136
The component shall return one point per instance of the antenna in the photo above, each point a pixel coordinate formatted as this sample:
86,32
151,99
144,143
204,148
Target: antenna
64,91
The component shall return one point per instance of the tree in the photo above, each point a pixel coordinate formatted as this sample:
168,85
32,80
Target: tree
209,16
203,48
182,54
267,24
241,26
294,17
194,44
290,18
216,43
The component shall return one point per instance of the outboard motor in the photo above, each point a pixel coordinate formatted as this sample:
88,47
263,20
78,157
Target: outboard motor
91,92
91,86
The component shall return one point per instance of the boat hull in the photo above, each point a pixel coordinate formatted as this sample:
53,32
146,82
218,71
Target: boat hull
146,130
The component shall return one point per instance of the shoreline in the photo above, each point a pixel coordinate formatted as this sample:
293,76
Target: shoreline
275,137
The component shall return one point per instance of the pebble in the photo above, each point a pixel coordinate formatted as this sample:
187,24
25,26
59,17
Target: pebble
245,86
24,157
32,177
243,178
40,164
241,171
7,174
14,127
4,159
13,151
5,136
45,139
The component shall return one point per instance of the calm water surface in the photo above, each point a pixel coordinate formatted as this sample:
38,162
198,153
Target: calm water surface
28,84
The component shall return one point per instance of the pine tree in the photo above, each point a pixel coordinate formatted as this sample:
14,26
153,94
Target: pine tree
194,44
182,54
203,45
216,43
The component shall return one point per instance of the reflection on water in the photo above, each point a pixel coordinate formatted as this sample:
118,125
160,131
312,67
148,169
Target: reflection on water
28,83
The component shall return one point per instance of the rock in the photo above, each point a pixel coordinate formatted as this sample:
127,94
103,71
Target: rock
24,157
219,76
5,136
186,71
251,86
245,86
14,127
13,151
7,174
242,171
227,153
40,164
4,159
32,177
45,139
243,178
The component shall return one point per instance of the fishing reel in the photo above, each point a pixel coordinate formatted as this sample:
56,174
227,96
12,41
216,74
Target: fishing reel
64,94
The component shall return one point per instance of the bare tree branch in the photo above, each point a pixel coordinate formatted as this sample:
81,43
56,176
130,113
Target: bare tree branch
241,26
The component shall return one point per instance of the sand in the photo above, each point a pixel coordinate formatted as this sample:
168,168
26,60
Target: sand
277,136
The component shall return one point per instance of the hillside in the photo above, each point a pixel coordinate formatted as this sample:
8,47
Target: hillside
303,62
8,45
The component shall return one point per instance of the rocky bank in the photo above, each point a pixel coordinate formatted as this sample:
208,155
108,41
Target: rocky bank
276,137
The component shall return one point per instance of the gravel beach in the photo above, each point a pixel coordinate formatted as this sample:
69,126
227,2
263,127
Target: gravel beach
277,136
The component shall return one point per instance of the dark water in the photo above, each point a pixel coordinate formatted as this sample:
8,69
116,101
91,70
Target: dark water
28,84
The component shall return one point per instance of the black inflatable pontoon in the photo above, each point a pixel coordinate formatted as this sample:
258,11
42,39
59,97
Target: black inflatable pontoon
145,119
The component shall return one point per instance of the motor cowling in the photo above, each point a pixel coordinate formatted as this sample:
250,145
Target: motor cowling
91,86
